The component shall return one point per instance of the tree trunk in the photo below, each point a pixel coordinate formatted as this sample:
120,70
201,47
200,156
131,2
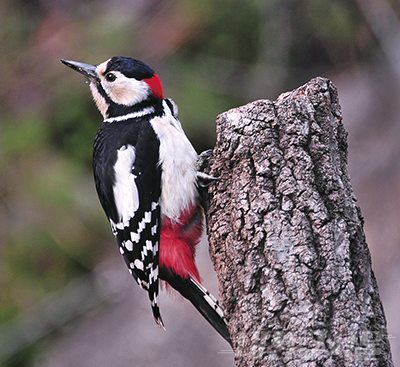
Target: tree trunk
286,236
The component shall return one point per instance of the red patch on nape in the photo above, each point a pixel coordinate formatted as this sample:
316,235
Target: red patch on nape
155,86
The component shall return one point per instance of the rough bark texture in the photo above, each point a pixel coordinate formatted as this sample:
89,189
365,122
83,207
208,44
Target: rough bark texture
287,237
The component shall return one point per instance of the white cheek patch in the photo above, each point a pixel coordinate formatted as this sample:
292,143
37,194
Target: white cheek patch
123,90
125,190
126,91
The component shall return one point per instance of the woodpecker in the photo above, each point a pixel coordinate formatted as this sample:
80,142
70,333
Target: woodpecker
145,176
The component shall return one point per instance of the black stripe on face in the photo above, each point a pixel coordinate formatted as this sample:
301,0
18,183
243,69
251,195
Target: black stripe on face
103,93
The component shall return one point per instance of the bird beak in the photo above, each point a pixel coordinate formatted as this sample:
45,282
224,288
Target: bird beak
89,71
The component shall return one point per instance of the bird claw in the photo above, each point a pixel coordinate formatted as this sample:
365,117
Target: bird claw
205,180
203,158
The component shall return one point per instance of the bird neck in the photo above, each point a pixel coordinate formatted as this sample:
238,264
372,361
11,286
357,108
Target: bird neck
150,105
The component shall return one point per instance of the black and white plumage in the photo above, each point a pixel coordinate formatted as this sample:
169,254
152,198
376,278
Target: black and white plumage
145,176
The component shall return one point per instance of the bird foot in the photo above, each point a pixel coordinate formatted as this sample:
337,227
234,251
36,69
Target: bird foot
204,179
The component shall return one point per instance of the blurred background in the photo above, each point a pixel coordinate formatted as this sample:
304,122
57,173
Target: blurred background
66,298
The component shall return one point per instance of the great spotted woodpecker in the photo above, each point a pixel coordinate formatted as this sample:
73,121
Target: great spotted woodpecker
145,176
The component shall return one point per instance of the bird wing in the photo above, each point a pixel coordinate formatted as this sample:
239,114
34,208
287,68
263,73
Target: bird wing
134,183
138,231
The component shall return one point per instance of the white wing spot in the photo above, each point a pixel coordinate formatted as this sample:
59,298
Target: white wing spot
135,237
154,229
147,217
153,275
129,245
139,265
141,226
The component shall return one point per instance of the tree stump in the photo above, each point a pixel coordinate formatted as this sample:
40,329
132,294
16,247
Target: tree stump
286,236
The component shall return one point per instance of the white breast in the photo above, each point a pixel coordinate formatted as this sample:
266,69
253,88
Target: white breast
178,161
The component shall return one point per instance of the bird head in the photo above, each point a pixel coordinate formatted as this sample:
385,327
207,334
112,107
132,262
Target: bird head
120,84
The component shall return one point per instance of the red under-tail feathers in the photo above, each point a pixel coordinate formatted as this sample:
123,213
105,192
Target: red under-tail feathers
178,244
177,267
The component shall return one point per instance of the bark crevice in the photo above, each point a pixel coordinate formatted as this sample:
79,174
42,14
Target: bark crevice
286,236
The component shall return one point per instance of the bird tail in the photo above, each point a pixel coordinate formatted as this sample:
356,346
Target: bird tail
204,302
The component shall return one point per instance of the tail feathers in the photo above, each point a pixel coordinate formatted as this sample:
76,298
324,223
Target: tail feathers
153,296
157,315
204,302
210,299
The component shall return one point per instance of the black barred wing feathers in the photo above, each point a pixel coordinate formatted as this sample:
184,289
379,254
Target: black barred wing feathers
129,192
139,240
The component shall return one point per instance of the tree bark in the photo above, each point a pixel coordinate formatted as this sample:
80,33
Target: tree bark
286,236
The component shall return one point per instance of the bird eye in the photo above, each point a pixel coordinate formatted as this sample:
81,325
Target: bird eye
110,77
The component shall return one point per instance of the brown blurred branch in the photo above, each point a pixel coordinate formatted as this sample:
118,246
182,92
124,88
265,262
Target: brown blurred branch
287,237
